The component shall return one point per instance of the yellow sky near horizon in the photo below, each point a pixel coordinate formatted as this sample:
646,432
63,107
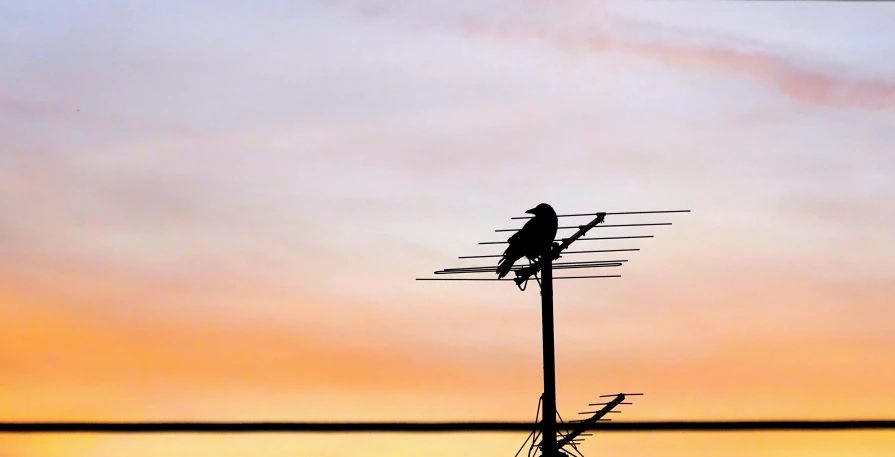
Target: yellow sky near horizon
74,366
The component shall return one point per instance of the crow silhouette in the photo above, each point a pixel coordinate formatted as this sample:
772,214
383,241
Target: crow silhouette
534,239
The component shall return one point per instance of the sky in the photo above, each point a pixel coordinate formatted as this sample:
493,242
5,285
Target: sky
217,210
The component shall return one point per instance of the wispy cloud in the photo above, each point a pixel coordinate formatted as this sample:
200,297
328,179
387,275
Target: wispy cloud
608,33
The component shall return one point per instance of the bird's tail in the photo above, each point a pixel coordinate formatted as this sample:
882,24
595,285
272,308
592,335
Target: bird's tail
504,266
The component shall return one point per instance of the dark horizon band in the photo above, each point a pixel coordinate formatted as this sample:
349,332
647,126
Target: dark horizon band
439,427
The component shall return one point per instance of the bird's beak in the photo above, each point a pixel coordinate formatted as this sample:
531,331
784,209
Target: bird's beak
531,211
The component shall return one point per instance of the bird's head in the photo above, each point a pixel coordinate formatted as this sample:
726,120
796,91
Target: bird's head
542,210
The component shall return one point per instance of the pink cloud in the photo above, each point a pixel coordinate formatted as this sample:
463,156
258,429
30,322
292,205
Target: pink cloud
773,71
565,32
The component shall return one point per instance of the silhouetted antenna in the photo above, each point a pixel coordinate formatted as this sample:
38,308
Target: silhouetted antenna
513,280
565,252
536,242
599,226
582,239
556,266
596,416
611,214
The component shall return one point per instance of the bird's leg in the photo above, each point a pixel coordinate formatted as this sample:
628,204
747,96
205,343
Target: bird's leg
536,274
523,285
531,263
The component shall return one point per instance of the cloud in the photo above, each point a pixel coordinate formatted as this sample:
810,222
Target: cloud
774,71
607,33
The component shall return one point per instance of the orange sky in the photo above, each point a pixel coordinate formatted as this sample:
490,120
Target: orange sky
224,221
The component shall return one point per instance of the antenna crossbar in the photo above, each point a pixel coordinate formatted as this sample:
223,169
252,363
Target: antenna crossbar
600,226
561,266
507,279
566,252
582,239
611,214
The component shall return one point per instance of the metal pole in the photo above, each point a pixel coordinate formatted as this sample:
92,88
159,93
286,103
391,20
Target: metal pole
548,437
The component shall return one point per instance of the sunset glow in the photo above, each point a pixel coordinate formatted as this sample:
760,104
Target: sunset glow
217,210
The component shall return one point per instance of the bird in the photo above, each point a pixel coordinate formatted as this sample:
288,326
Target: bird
533,240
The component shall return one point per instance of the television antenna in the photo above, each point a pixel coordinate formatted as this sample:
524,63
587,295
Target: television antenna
548,439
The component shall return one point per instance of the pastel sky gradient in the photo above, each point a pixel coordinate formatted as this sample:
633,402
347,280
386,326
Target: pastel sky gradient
211,210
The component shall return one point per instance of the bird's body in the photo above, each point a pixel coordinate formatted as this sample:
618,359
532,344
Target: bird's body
533,240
